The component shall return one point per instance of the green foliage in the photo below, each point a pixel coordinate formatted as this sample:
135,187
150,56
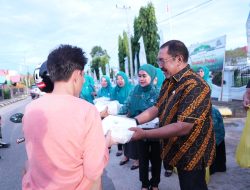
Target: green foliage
95,64
236,53
97,51
6,93
123,50
236,75
121,54
240,79
217,77
135,43
233,55
146,26
99,60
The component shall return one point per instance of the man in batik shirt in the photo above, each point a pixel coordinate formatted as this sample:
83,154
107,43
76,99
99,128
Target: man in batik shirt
184,111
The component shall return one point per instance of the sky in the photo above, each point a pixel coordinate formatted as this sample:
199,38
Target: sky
31,29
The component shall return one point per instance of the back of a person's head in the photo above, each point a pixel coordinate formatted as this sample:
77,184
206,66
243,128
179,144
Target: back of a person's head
64,60
175,48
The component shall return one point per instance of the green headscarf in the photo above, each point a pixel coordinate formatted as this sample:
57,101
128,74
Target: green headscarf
160,77
121,93
151,70
140,97
105,91
87,89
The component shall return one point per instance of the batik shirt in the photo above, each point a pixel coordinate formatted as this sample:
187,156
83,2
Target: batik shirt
185,97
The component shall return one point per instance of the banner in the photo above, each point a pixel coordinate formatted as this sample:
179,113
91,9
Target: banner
210,54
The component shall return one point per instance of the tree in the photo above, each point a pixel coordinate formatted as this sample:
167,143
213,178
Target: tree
100,58
135,39
235,54
123,50
146,26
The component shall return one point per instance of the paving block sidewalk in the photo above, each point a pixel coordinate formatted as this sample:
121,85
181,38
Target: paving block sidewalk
6,102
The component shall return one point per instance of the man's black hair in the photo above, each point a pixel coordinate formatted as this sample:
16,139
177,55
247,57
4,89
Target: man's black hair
64,60
175,48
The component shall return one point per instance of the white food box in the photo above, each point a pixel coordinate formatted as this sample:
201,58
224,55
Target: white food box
119,127
103,103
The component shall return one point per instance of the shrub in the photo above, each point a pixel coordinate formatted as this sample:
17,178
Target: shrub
6,94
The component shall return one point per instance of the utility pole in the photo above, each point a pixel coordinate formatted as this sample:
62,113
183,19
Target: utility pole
126,8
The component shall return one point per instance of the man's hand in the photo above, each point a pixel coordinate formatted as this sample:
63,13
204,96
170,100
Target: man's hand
138,133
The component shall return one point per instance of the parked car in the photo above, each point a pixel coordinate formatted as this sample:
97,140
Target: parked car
35,92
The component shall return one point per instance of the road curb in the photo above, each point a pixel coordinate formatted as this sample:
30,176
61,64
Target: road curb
11,101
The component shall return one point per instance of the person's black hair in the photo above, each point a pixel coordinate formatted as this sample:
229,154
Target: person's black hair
175,48
64,60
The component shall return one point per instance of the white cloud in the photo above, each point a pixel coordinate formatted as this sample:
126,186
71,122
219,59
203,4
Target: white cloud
38,26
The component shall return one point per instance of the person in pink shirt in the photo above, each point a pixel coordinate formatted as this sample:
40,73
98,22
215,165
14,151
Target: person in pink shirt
64,139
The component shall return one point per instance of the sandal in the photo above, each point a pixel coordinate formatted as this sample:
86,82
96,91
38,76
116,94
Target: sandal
119,153
124,162
133,167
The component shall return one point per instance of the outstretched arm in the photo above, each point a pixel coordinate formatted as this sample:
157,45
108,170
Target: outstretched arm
174,129
148,115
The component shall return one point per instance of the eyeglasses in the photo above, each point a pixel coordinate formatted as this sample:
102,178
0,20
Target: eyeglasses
162,61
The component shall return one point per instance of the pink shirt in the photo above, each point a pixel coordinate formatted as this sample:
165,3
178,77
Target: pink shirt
65,144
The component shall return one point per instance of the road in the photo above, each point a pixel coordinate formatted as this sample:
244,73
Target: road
119,177
13,158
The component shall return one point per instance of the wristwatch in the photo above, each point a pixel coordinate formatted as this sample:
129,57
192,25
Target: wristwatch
137,122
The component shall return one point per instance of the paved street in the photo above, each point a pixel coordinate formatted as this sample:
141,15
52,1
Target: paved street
117,177
13,158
